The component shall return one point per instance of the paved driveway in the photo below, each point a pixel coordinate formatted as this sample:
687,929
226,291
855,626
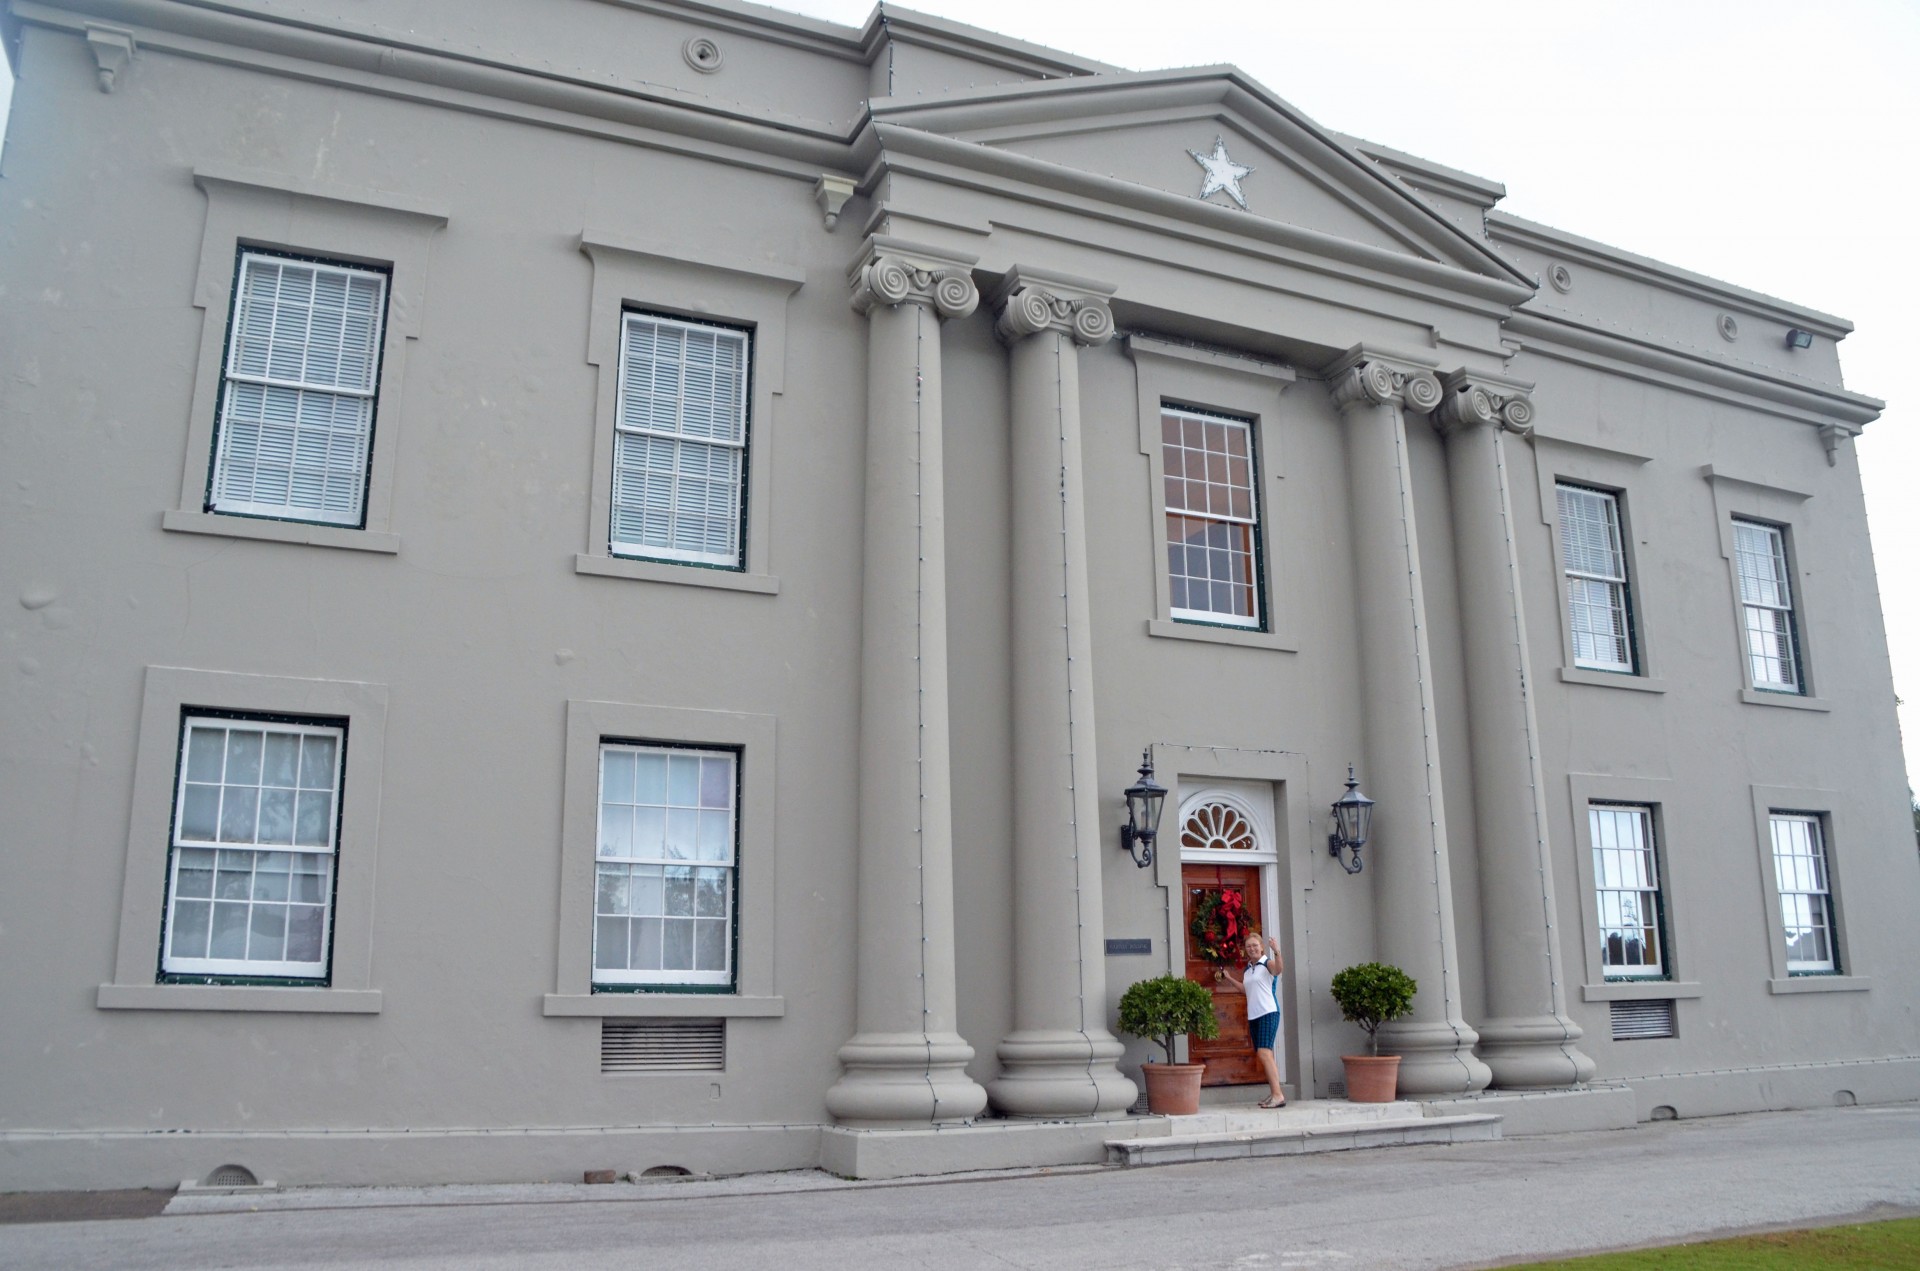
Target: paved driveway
1469,1205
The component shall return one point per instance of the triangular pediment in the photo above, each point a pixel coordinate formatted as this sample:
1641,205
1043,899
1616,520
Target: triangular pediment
1203,135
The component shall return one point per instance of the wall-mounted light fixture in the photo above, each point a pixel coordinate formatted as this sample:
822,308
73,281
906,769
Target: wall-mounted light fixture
1144,800
1352,821
1799,339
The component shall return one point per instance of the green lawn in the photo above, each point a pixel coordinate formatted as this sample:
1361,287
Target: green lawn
1878,1246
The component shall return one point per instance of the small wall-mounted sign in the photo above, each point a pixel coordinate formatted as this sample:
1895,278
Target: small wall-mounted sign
1129,948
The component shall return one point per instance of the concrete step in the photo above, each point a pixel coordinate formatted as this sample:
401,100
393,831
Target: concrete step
1322,1126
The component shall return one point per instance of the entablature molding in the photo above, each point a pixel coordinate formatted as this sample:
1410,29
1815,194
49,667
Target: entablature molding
654,115
1141,345
1502,227
1635,359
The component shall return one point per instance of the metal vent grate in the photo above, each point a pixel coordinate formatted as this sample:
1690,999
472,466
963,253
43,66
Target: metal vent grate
1635,1020
663,1045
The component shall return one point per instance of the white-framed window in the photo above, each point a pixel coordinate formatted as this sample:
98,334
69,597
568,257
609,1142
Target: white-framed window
666,865
680,441
1806,895
1766,600
1594,561
250,878
1626,875
1213,517
297,390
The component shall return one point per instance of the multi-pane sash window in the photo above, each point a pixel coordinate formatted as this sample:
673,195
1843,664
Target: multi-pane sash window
680,441
1626,876
664,894
1766,598
1806,898
296,404
1595,564
250,882
1212,518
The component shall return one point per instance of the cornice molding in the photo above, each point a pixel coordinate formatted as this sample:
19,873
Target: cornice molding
1504,228
1029,302
890,272
1141,345
1618,355
974,44
654,115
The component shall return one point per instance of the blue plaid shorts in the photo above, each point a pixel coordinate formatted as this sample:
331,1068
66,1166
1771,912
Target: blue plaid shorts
1264,1029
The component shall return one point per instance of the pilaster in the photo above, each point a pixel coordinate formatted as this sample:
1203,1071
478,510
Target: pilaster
1527,1040
1408,850
1060,1060
906,1063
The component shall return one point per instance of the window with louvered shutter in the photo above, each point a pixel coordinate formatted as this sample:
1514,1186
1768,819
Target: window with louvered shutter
680,441
1594,561
297,397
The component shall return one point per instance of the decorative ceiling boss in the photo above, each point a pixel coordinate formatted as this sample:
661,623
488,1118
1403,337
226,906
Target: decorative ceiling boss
1222,173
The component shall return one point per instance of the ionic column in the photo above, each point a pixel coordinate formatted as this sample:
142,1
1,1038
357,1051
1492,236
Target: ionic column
1526,1039
1408,849
1060,1058
906,1063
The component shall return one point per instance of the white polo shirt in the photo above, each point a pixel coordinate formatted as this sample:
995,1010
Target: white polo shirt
1260,989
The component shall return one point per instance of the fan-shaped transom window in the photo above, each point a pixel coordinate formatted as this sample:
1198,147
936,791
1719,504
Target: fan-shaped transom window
1214,826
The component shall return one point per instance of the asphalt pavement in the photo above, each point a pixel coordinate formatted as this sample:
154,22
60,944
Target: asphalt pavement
1431,1208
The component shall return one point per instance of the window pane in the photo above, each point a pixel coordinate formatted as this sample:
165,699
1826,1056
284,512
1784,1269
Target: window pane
199,812
206,753
191,921
1211,501
316,763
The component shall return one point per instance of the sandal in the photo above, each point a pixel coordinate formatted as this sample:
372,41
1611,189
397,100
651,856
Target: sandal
1269,1103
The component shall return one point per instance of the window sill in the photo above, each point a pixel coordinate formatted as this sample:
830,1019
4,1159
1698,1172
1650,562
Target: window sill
237,997
1611,679
1169,629
280,531
655,571
663,1005
1639,990
1792,701
1820,984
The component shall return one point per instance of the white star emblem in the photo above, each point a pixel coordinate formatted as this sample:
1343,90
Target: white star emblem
1222,172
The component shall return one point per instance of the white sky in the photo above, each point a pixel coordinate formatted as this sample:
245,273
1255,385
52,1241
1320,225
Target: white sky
1774,145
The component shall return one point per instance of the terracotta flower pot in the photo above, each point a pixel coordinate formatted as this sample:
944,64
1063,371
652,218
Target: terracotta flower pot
1173,1090
1372,1078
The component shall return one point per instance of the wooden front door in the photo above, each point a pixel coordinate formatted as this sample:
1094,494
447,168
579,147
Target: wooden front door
1229,1058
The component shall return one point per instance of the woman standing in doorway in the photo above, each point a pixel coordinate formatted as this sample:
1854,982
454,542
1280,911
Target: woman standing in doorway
1260,983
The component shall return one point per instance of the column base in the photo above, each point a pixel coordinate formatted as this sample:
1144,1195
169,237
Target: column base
1435,1058
903,1080
1058,1073
1533,1052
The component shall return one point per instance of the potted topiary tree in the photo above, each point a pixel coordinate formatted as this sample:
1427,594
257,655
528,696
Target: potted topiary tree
1159,1010
1370,995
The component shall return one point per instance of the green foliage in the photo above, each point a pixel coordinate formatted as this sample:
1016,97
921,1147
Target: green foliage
1869,1247
1373,993
1161,1009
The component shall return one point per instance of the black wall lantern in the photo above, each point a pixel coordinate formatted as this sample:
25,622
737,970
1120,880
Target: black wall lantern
1352,821
1144,800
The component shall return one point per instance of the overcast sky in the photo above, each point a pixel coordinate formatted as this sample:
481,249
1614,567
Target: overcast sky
1772,145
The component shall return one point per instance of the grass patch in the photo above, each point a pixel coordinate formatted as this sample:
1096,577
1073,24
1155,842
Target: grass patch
1876,1246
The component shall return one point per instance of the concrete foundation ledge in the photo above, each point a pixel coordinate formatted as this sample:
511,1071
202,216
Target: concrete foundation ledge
94,1160
984,1145
1610,1106
1776,1088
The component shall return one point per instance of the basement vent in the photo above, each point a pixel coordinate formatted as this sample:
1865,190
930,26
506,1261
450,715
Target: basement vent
663,1045
1633,1021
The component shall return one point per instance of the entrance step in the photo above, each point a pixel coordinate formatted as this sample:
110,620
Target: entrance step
1325,1125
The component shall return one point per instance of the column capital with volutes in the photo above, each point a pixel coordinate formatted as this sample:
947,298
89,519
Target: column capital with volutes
1366,377
891,272
1028,302
1471,400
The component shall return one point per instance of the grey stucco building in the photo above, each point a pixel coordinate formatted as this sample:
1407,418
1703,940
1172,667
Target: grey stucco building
589,576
